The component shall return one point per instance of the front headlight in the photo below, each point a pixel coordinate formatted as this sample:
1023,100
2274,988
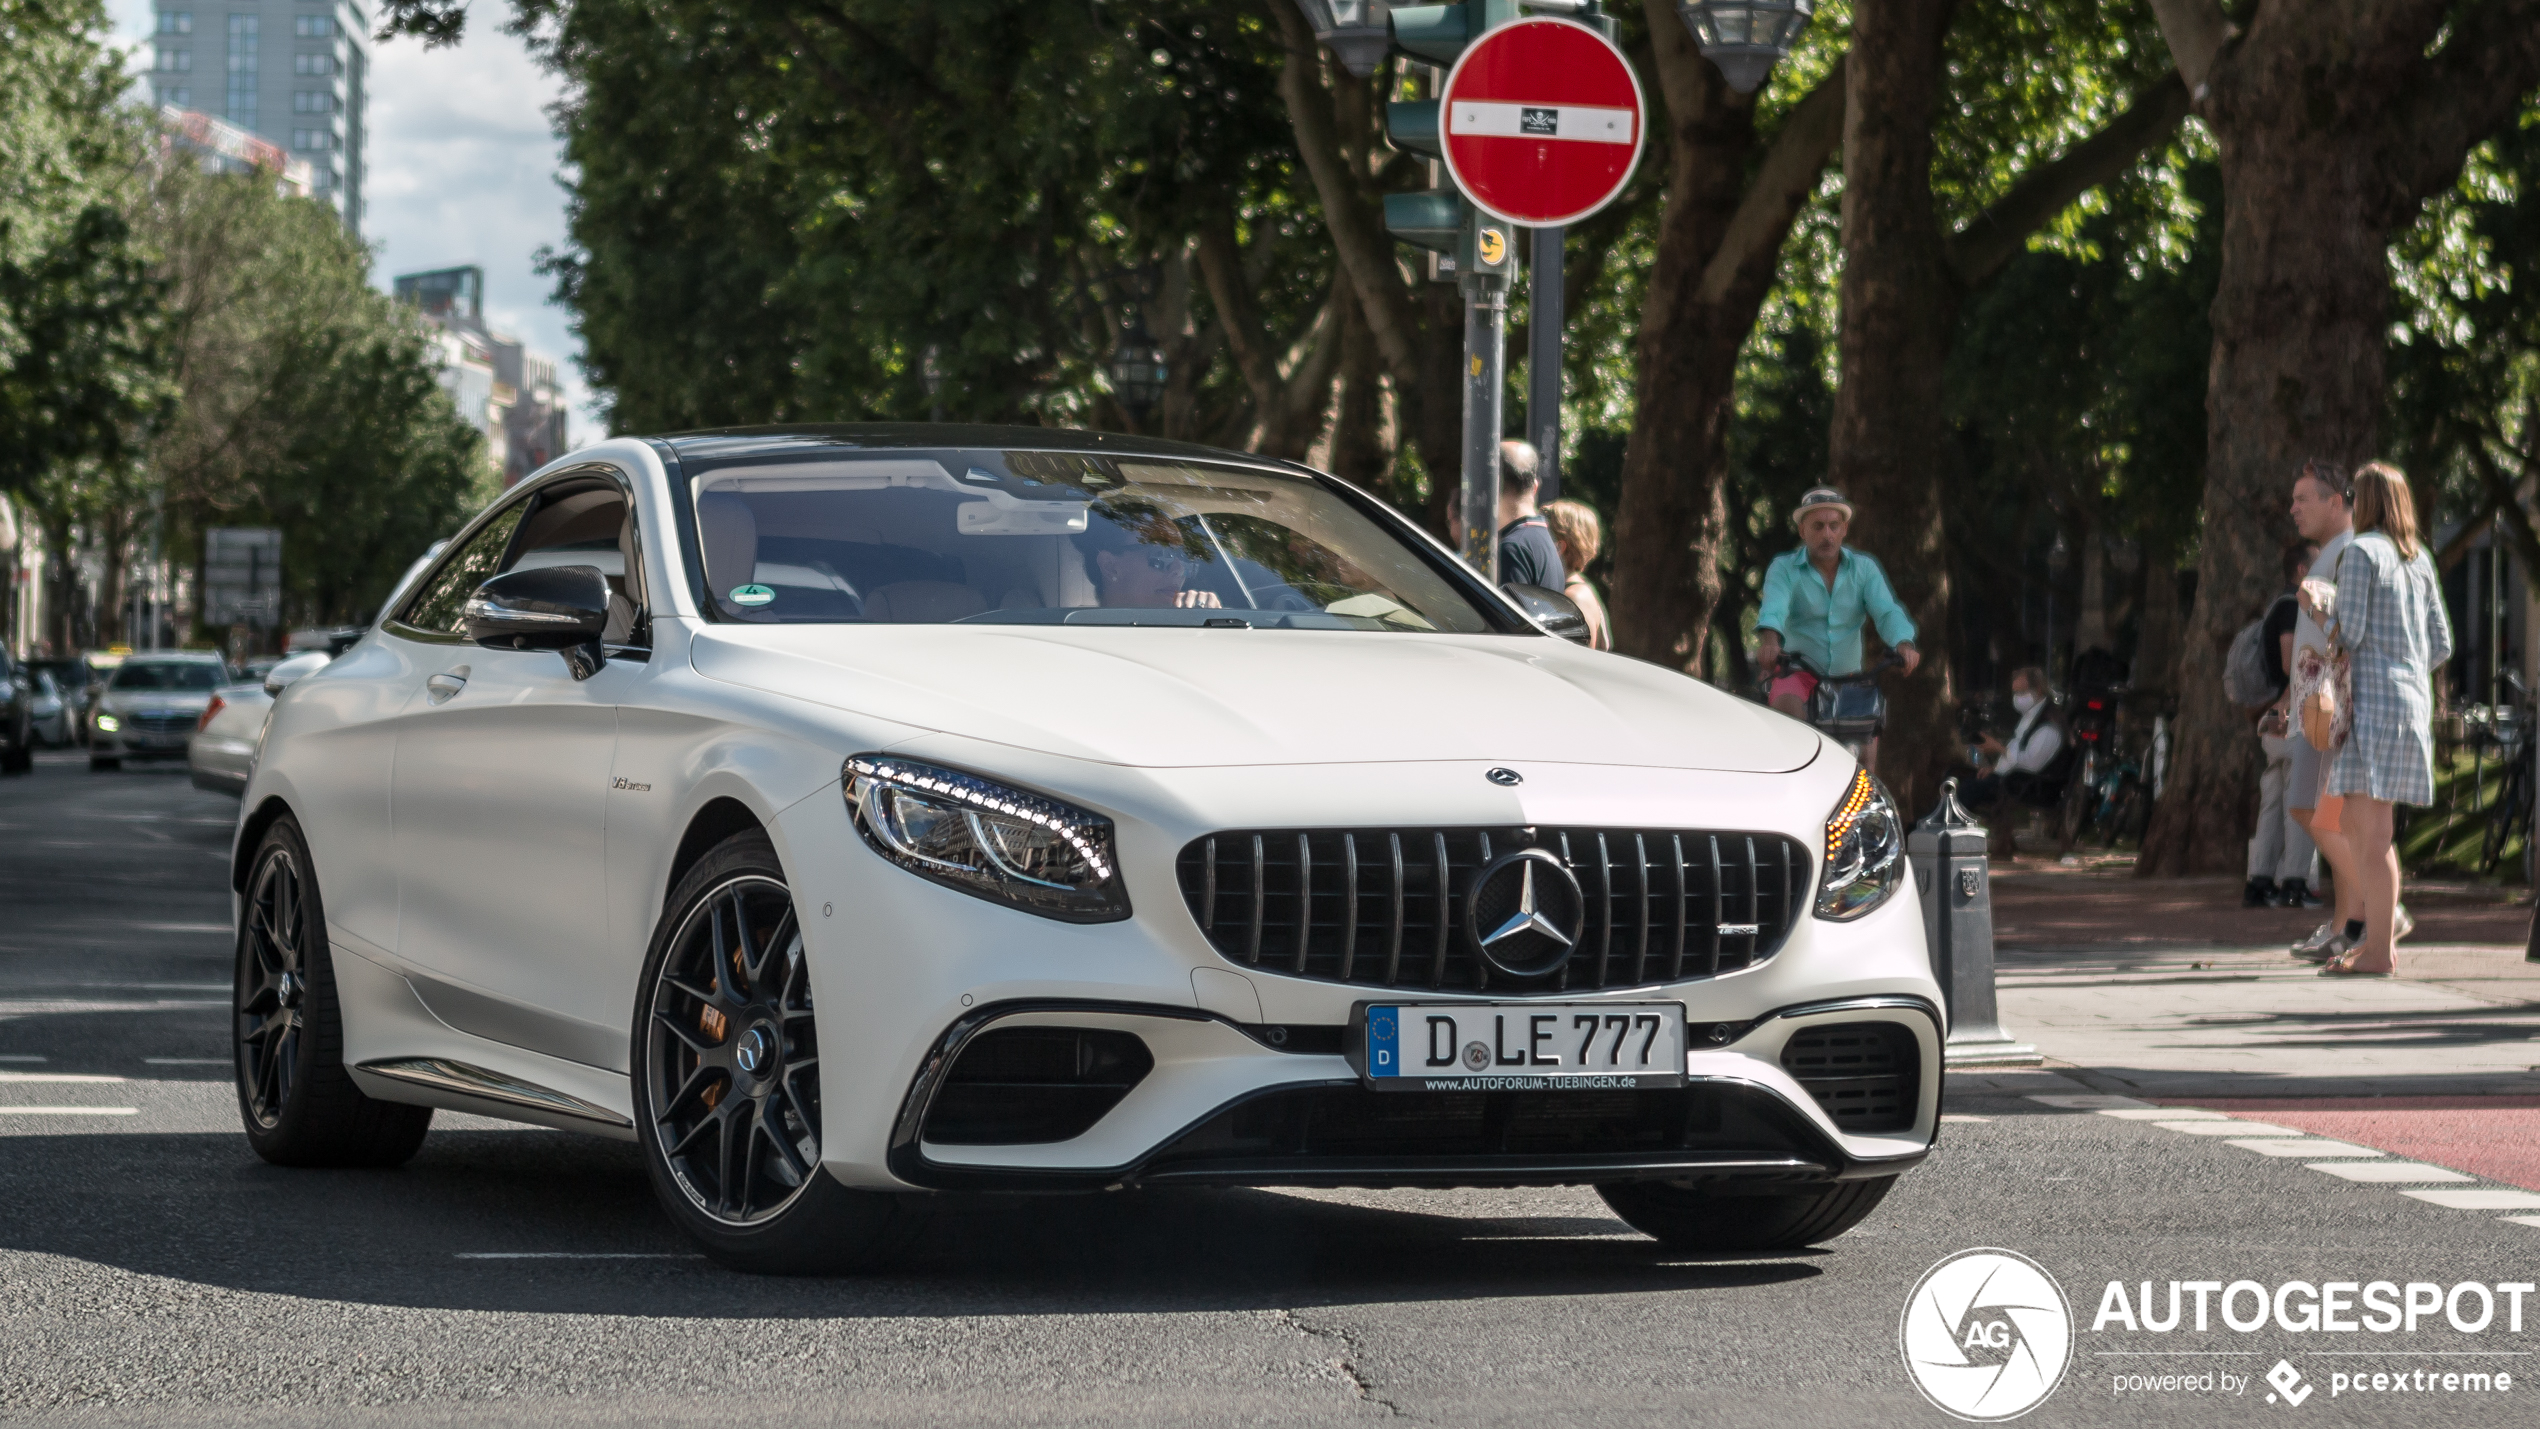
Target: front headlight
988,840
1865,850
108,723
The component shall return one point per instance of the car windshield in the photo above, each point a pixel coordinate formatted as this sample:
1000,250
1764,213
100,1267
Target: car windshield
166,675
1054,538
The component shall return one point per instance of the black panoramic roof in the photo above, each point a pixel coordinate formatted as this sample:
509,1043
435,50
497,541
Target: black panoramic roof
724,446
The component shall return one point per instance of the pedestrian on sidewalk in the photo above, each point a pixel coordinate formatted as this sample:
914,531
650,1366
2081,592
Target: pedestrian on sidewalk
2388,609
2323,514
1527,555
2280,852
1579,536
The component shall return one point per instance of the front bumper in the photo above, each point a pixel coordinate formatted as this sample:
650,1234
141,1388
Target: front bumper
1742,1116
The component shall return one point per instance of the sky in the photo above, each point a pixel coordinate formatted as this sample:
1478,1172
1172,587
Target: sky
463,169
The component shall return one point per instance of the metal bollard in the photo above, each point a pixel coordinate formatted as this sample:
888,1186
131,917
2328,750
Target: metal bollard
1952,872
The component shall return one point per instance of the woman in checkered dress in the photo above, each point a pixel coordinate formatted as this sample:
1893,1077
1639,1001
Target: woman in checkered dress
2391,624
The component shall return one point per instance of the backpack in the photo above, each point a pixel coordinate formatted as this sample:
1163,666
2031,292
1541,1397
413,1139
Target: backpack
2245,680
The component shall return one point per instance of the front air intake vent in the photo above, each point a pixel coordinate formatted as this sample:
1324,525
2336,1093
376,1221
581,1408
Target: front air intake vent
1022,1086
1385,908
1865,1074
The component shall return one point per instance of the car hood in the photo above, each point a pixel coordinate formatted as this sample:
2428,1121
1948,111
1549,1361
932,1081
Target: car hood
1170,698
121,701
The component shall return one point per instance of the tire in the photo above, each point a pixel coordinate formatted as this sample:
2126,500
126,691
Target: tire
1709,1221
727,1079
299,1105
103,764
20,760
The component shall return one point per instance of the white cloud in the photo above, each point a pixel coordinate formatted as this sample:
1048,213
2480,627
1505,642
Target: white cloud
463,169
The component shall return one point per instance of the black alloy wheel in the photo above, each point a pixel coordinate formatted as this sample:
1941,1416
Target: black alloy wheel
299,1105
1720,1220
734,1062
727,1059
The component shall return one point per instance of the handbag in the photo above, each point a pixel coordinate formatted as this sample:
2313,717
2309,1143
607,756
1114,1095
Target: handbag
2326,705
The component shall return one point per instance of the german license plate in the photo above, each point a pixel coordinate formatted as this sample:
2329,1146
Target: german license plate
1538,1046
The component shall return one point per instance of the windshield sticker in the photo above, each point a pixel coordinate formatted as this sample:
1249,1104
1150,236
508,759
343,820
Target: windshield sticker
752,595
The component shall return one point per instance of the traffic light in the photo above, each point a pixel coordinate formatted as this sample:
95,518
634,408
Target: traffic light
1439,219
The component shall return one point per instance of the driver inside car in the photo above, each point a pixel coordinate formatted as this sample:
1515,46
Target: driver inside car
1137,561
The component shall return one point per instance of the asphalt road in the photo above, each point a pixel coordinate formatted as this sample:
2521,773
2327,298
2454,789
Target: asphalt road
153,1272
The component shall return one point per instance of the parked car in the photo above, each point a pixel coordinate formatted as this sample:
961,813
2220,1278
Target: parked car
222,752
845,813
52,710
17,717
150,704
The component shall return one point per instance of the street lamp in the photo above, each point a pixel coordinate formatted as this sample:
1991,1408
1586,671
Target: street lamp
1746,38
1354,30
1138,370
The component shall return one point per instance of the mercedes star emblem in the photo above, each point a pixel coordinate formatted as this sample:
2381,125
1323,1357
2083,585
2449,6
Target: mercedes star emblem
1505,777
1524,912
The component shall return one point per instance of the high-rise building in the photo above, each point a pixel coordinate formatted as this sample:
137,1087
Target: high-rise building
513,395
293,72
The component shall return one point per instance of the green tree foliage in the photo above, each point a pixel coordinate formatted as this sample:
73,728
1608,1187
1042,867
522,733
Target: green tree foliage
77,302
781,209
308,400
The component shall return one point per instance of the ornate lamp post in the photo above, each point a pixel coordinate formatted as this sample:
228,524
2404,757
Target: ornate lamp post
1353,30
1138,370
1746,38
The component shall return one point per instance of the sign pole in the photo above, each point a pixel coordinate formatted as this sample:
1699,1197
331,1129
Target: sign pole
1545,298
1485,386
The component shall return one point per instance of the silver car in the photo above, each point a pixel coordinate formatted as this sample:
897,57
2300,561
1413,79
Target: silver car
52,712
151,705
223,751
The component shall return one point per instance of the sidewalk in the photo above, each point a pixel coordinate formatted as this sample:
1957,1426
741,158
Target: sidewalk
2165,989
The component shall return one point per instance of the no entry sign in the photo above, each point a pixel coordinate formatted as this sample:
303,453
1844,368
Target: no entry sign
1542,122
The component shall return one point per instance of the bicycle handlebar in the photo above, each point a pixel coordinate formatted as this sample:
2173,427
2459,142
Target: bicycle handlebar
1792,660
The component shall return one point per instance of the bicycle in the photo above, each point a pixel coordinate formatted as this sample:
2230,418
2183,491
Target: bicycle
1849,709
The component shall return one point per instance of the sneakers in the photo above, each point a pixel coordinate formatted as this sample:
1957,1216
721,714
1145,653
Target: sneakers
2296,893
2323,944
2261,893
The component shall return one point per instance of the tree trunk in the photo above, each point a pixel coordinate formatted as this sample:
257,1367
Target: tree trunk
1889,443
1719,245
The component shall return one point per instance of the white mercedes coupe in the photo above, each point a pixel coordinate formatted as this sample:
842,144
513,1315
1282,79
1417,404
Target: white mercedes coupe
846,814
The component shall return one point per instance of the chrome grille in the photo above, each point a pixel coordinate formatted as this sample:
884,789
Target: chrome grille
1384,908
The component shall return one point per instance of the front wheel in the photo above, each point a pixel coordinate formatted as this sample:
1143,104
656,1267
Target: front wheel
103,764
1713,1220
727,1078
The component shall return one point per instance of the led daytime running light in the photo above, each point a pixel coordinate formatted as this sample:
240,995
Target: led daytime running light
986,839
987,798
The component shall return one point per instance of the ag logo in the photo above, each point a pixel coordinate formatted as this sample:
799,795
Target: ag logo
1493,246
1986,1335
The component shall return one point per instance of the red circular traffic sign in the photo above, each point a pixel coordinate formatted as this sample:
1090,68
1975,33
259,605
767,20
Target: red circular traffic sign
1541,121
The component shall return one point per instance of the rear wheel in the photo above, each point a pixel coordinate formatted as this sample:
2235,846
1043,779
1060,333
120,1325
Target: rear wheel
727,1078
103,764
299,1104
1708,1219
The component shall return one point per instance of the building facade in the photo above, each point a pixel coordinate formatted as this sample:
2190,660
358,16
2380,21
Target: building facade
514,395
293,72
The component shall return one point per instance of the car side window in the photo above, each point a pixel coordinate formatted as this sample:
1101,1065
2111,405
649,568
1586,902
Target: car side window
589,522
440,605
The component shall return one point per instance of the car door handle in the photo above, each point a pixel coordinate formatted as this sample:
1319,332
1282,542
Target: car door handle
439,688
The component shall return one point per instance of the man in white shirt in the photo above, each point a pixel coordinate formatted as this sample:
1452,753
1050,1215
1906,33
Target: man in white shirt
2017,768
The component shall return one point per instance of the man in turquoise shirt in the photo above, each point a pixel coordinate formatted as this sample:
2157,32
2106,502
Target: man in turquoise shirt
1815,599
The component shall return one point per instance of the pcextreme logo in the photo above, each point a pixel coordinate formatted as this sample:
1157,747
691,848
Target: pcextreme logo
1986,1334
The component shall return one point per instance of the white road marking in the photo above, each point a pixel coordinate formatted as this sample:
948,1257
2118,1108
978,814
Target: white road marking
2389,1171
192,1062
120,1111
573,1255
1962,1116
2285,1146
2482,1198
2163,1114
23,1057
2522,1220
7,1078
180,927
39,1006
2092,1102
2228,1127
